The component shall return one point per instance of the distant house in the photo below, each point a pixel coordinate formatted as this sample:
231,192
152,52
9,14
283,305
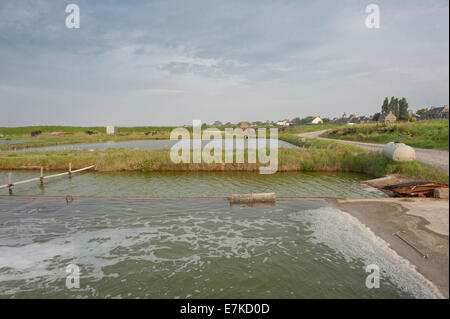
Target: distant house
269,123
284,123
317,120
435,113
340,120
359,119
352,119
364,119
387,118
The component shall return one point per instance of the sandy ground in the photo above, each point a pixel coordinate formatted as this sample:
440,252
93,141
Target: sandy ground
422,222
435,158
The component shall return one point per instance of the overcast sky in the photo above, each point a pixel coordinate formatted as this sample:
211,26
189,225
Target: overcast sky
169,62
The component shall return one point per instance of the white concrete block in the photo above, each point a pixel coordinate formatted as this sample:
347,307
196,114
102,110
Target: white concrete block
399,152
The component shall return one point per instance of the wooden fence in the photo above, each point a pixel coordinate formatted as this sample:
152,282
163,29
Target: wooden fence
41,178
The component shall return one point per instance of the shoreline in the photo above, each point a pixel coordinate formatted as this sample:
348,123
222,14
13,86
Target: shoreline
423,222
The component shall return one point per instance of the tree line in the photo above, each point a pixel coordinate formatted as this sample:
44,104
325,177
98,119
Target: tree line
399,107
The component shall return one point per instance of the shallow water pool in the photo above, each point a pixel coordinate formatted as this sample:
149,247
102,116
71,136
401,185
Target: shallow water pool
193,249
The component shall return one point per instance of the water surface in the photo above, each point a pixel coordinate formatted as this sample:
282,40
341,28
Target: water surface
143,144
195,184
193,249
14,141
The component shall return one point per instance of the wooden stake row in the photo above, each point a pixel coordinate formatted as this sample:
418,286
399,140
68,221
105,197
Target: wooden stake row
41,178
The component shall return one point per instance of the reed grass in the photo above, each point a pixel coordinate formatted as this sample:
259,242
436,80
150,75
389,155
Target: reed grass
317,158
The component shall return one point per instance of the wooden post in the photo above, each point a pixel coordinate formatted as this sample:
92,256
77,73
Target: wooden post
70,168
10,183
42,175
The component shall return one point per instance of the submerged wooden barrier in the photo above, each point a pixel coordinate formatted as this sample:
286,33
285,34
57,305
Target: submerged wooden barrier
253,198
41,178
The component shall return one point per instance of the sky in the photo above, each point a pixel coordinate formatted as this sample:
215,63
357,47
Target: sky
171,62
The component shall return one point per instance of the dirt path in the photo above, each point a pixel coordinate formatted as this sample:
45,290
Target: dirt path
435,158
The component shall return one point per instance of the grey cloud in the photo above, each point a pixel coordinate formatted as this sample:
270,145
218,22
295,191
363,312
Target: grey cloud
168,62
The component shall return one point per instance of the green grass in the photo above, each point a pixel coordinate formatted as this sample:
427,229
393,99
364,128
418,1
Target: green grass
424,134
350,158
316,143
312,155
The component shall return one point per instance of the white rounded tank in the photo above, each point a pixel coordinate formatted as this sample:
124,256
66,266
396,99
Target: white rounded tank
399,152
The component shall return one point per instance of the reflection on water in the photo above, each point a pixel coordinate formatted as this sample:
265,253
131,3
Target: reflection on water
194,184
192,249
14,141
143,144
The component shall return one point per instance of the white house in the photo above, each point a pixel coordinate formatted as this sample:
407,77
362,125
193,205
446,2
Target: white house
284,123
111,130
317,120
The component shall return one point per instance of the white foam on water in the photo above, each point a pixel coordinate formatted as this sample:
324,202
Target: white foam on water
346,234
41,264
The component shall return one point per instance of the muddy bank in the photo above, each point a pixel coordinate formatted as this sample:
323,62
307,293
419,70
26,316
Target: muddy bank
423,227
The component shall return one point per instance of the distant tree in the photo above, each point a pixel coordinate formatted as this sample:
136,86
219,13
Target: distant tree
403,109
296,121
422,111
302,121
392,105
376,117
326,120
385,106
396,108
307,120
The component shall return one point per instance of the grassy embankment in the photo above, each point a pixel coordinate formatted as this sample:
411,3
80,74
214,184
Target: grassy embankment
26,130
75,134
424,134
312,155
354,159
